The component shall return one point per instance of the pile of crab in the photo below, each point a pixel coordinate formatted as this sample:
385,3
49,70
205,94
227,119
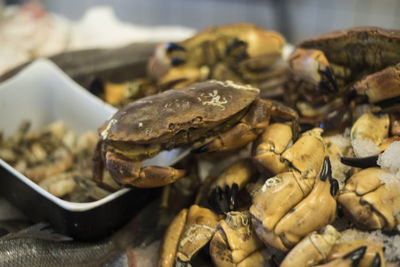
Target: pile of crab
313,181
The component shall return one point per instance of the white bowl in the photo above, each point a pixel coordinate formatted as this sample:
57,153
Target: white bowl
41,93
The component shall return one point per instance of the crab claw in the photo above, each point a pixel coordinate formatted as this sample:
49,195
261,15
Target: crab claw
126,172
170,47
356,255
225,193
377,262
363,163
326,172
222,201
312,66
328,81
351,259
177,61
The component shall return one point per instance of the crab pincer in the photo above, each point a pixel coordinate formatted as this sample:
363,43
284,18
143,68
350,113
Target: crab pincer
225,190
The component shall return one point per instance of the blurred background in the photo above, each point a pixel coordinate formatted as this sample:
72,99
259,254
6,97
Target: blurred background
296,19
31,29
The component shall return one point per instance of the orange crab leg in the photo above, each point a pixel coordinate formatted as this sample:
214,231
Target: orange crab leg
127,172
251,126
247,130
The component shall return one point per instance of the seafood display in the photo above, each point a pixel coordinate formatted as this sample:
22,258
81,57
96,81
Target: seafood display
308,178
243,53
56,159
331,72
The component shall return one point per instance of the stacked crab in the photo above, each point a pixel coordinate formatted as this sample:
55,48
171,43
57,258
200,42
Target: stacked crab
279,203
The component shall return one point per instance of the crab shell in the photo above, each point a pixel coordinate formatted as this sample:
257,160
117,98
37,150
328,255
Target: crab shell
369,202
178,117
368,47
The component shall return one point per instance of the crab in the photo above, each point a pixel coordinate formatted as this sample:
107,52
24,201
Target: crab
209,116
289,206
231,239
244,53
373,255
313,248
369,202
327,248
363,62
271,156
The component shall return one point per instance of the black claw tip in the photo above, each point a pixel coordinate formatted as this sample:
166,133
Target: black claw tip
377,262
326,171
330,84
363,163
201,149
334,187
218,201
356,255
174,47
177,61
232,196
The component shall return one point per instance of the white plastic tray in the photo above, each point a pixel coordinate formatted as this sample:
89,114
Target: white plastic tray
42,94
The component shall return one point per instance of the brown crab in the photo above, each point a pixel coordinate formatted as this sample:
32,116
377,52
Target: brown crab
215,115
243,53
362,61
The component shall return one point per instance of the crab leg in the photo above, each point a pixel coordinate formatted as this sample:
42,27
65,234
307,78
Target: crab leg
127,172
381,85
250,126
351,259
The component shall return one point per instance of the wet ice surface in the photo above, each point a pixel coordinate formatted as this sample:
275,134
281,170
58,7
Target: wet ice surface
390,158
390,161
364,148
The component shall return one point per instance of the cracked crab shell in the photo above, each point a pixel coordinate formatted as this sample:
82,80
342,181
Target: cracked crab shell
160,117
277,196
170,241
235,243
316,210
307,153
313,249
201,224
